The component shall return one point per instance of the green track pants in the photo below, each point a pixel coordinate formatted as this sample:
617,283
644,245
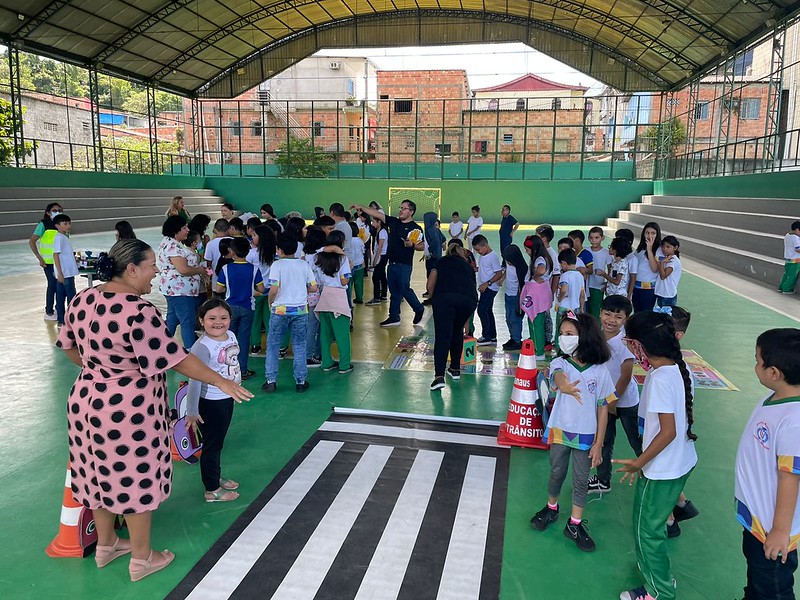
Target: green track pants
334,329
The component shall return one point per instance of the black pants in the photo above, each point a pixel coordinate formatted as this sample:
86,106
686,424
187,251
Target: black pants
450,314
429,264
380,288
767,579
216,415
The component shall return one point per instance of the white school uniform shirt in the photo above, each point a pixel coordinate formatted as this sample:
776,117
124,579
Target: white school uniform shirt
619,354
472,223
663,393
456,229
335,280
770,443
791,247
293,277
574,423
621,267
574,282
383,234
668,288
601,259
63,247
212,255
556,265
357,249
539,262
512,281
488,266
641,268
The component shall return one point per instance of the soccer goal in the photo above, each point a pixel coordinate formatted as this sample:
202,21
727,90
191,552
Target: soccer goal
426,199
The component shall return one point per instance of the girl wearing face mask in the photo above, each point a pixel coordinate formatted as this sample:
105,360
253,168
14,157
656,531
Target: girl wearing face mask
577,423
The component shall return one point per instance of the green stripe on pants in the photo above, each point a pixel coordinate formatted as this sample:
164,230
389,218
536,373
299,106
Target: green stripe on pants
652,506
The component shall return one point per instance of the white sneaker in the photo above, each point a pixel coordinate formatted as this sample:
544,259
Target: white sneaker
50,317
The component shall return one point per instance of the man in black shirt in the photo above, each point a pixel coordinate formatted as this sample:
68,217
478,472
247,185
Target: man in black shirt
405,236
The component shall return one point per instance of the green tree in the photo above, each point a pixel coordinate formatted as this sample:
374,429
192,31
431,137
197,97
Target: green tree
299,158
669,135
132,155
8,130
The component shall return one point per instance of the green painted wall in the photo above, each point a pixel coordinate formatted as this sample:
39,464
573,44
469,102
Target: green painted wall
13,177
558,202
757,185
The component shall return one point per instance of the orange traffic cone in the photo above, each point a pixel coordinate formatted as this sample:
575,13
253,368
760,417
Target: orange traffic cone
524,426
76,535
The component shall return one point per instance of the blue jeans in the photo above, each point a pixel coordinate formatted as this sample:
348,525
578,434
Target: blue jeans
666,301
486,314
241,325
399,279
297,326
183,310
50,294
313,344
513,318
65,292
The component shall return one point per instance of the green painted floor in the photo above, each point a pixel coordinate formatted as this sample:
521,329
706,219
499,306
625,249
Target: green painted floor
267,431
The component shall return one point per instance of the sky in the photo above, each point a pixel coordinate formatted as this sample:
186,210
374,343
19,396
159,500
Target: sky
485,64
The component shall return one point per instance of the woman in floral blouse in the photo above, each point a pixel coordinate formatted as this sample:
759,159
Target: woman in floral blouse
178,280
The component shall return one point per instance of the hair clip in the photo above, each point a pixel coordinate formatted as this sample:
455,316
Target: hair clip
667,310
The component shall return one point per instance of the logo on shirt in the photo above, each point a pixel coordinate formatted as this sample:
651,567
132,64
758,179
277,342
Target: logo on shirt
762,434
592,386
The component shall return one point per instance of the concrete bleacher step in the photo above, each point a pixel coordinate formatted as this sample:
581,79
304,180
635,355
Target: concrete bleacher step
740,235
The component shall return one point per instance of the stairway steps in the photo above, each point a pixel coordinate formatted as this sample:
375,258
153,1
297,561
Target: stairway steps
771,206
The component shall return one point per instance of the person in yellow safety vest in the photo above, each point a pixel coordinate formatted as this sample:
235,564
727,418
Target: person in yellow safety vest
41,243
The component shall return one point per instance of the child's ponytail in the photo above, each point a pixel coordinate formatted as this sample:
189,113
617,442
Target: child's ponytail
677,356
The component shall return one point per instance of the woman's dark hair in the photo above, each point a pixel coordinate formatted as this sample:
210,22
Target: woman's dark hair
656,242
329,262
672,241
780,348
199,223
592,346
125,252
294,227
46,220
656,333
266,245
172,226
267,208
125,231
538,250
315,239
209,305
227,205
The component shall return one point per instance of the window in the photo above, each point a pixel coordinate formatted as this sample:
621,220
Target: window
384,96
743,63
402,106
236,128
442,150
256,129
480,147
316,129
351,89
701,111
750,108
50,126
520,104
508,138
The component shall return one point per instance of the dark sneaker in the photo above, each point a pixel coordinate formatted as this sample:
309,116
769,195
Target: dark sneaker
673,530
346,371
390,322
598,487
255,349
484,341
283,352
358,302
268,386
455,374
313,362
302,387
247,375
544,517
384,299
511,345
684,513
437,384
333,367
418,316
579,535
373,302
639,593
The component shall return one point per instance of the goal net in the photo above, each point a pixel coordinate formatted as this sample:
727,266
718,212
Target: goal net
426,199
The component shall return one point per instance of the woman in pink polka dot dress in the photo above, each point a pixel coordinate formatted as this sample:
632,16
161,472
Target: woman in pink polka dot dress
118,408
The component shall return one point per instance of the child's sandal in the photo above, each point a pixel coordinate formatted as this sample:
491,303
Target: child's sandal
228,484
221,495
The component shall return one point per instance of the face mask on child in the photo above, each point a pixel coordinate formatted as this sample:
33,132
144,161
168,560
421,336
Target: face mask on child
54,214
636,348
568,344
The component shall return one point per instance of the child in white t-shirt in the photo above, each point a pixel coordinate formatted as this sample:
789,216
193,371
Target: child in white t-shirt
668,454
357,252
791,254
617,273
767,473
577,423
474,225
333,310
456,227
64,266
571,293
600,260
669,272
490,274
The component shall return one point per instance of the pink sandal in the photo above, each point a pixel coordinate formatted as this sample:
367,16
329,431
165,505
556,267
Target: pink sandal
141,568
105,554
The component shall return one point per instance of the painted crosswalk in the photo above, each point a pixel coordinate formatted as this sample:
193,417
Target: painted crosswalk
373,507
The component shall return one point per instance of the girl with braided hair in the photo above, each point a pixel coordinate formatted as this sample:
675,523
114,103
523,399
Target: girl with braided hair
668,455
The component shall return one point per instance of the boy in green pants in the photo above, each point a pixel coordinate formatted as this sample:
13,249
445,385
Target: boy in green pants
791,254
